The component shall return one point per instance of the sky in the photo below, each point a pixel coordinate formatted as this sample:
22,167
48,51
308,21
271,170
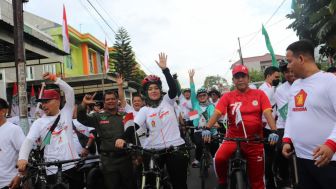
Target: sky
195,34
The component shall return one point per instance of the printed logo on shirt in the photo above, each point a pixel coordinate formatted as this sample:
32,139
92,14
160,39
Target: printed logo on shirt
153,115
163,114
300,100
236,106
103,117
153,123
104,122
255,103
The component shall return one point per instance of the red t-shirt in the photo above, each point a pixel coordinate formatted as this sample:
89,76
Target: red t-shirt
252,104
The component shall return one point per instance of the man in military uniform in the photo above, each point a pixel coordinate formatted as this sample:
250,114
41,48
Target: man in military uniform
116,164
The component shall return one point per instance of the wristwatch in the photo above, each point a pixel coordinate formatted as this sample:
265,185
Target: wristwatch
87,147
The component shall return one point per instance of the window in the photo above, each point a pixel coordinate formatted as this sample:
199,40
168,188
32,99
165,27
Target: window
99,65
51,68
91,62
29,73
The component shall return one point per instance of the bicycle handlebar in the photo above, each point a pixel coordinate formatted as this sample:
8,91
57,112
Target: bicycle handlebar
142,150
58,163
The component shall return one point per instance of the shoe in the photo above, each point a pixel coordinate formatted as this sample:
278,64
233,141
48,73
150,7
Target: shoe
195,163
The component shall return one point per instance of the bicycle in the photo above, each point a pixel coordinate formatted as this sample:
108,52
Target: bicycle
36,176
205,161
161,178
237,169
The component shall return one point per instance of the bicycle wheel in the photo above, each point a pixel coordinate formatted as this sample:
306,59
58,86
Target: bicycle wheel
240,181
203,172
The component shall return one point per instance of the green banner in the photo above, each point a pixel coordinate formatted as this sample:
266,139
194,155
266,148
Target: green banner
269,47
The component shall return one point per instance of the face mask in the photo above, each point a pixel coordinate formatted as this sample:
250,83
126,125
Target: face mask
275,82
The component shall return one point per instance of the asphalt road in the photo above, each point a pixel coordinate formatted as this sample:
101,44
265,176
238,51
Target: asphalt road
194,181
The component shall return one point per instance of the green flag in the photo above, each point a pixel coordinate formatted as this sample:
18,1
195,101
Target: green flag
46,140
269,47
283,111
294,4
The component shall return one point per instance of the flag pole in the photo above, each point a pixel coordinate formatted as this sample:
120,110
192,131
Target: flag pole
240,53
39,103
103,82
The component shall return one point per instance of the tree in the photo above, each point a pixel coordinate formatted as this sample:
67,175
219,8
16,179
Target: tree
316,21
216,81
256,76
123,58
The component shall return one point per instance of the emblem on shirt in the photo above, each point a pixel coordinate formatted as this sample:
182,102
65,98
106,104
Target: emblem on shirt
104,122
153,123
255,103
300,100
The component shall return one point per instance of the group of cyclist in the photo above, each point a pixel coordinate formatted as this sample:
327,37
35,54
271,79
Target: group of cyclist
297,114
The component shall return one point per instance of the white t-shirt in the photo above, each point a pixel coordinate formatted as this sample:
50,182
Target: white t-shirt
11,139
16,120
281,97
269,90
311,118
162,124
61,145
82,129
130,109
185,107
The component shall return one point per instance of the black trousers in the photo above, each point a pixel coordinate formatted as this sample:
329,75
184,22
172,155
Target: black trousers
281,163
176,165
72,176
269,160
213,146
313,177
122,177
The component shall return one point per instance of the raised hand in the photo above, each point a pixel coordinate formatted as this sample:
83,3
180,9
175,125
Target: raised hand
162,61
191,73
48,76
88,99
119,80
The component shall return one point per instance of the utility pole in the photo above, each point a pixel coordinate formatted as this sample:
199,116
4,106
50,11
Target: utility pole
20,62
240,53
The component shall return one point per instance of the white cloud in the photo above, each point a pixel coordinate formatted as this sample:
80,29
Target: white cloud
194,33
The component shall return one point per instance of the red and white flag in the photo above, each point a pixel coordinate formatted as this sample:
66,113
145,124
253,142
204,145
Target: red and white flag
65,33
193,115
106,58
128,121
15,101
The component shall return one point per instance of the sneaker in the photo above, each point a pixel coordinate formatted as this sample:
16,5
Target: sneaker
195,163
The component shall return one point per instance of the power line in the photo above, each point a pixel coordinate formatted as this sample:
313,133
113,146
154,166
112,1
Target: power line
101,17
101,27
138,60
254,36
108,15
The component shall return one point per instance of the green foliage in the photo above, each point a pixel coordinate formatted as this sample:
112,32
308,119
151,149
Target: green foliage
316,21
256,76
218,81
123,58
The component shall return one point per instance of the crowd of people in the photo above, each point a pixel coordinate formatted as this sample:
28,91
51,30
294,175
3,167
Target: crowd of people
294,109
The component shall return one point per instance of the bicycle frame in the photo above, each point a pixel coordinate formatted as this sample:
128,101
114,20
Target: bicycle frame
153,165
237,164
204,164
237,168
59,180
